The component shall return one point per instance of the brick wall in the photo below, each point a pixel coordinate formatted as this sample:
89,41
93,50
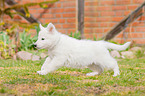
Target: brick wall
100,16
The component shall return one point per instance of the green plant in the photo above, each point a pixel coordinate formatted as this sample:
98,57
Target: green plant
139,53
6,48
5,38
26,41
76,35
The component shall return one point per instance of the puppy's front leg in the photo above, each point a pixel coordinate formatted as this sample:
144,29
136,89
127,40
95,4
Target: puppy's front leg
54,64
47,61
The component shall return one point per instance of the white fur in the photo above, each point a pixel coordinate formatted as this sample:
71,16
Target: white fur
70,52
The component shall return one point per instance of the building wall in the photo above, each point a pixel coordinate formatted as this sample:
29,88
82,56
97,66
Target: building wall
100,16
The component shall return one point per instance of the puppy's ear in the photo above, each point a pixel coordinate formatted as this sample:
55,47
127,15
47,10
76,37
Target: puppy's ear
41,27
50,28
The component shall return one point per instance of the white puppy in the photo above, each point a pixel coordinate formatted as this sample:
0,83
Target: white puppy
70,52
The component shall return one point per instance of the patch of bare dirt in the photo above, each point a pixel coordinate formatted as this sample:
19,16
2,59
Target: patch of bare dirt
95,90
72,73
28,89
122,89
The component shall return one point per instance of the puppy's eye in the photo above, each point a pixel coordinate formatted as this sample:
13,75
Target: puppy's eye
42,38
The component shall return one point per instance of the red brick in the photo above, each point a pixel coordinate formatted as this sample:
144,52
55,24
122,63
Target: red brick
47,16
58,4
127,12
123,2
140,29
71,30
89,19
69,15
106,29
99,36
69,4
69,25
111,24
119,13
62,20
70,9
62,31
46,10
40,10
32,11
103,19
51,20
58,15
107,13
139,41
102,24
71,20
132,7
66,0
90,3
102,2
117,19
98,30
91,25
119,8
90,9
58,26
104,8
88,30
91,14
138,24
37,16
120,41
58,10
119,35
130,29
88,36
136,35
138,1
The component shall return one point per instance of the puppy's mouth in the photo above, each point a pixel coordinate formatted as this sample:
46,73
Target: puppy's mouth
36,47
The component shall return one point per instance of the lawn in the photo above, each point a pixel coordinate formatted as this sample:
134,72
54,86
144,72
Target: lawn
19,78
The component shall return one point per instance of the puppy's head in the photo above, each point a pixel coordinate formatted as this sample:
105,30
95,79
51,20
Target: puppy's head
47,37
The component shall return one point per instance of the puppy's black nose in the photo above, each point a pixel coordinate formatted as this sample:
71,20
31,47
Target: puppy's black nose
35,45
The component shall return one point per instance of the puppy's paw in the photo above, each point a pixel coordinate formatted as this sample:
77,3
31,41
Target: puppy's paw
92,74
42,72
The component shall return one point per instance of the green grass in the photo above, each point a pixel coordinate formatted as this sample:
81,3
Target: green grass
20,78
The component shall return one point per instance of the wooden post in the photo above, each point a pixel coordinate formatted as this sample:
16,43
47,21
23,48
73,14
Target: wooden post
81,17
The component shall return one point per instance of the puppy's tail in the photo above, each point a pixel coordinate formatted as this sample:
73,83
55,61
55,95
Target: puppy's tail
116,47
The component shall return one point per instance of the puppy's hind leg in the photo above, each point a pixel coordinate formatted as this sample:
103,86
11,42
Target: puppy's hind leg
111,63
116,70
96,70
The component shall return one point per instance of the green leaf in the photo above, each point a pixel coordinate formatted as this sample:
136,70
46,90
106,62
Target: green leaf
43,6
26,11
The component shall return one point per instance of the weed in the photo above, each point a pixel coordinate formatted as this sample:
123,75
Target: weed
76,35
